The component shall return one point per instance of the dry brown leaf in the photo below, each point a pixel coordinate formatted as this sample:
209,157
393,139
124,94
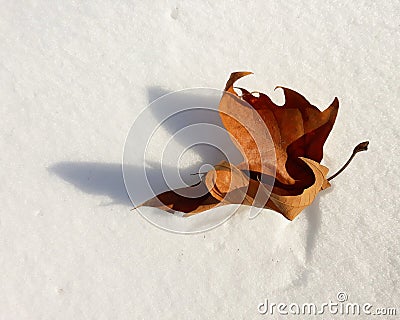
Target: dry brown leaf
287,140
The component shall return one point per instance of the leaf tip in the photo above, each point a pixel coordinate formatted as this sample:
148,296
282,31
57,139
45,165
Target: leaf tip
234,77
334,105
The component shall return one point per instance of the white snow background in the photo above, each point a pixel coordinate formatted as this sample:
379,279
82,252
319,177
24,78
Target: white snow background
74,75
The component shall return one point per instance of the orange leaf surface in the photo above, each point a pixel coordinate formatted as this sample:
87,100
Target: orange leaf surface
297,129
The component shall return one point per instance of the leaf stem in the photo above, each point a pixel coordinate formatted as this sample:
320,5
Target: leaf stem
363,146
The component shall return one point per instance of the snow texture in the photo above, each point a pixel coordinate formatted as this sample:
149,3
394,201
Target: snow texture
74,75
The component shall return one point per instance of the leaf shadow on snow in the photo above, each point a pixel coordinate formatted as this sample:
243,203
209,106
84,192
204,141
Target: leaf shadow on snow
94,178
313,217
201,108
106,179
155,92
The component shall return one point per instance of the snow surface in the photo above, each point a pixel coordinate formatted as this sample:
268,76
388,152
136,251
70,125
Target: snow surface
73,78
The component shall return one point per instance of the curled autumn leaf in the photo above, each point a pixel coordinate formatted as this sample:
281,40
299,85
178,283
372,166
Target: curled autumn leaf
287,148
